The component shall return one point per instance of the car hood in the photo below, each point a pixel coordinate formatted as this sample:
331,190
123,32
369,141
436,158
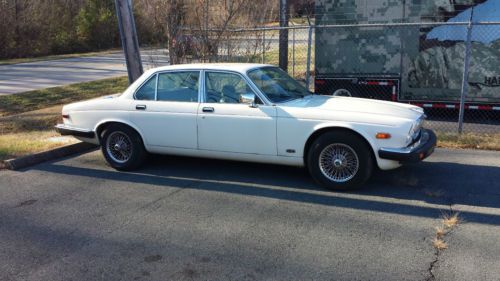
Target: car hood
352,105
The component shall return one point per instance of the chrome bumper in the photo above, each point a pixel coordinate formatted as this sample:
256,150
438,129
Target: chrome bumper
66,130
413,153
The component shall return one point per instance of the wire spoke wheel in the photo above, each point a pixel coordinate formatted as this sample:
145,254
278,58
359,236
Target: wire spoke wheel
119,146
338,162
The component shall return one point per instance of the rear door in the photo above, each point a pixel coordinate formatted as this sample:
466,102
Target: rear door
165,109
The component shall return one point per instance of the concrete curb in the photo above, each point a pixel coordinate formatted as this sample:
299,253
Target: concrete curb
33,159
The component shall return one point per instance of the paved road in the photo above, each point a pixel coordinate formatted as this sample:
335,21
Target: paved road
192,219
44,74
24,77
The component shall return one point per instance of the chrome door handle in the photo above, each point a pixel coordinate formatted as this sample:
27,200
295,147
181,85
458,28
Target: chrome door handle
208,109
140,107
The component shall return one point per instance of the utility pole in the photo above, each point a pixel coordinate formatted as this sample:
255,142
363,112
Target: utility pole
283,41
129,40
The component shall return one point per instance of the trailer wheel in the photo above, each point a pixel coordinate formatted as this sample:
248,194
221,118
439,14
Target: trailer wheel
342,93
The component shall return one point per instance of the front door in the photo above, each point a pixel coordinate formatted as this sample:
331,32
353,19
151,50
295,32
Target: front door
165,109
225,124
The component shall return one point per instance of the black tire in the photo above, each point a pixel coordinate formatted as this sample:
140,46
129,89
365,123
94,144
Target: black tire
354,146
136,155
343,92
352,90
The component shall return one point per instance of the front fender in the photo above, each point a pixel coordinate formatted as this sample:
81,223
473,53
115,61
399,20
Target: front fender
348,126
365,131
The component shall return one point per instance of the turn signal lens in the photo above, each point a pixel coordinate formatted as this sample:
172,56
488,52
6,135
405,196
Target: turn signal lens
383,136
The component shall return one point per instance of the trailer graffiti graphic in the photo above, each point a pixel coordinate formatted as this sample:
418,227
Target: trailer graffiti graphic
427,60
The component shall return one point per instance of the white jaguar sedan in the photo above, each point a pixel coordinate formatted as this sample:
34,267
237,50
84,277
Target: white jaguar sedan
250,112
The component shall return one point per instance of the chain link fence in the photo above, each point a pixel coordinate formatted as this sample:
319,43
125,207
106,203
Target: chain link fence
449,69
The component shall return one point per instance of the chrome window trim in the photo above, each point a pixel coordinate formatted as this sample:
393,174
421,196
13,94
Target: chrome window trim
156,84
156,87
201,92
254,88
142,84
176,71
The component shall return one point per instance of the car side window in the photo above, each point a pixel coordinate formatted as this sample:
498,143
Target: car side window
221,87
147,90
178,86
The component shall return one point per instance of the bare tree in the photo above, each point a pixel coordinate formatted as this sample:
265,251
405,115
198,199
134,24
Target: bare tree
212,19
167,16
188,28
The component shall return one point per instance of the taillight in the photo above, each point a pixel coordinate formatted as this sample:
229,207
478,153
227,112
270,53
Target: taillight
65,116
320,82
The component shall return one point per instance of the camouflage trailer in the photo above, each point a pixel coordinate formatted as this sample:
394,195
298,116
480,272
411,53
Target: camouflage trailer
407,63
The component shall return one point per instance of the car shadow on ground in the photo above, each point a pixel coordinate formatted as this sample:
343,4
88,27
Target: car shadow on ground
438,183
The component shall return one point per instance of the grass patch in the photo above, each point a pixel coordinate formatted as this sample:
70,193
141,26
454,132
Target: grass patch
19,144
30,132
441,232
33,100
439,244
38,120
55,57
469,140
291,22
301,21
272,57
27,119
448,223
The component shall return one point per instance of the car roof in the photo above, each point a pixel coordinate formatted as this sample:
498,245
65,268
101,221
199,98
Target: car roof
238,67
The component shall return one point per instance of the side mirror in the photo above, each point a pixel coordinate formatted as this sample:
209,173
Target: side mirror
248,98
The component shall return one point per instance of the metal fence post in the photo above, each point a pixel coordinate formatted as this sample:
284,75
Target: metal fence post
228,47
308,66
263,46
293,52
465,77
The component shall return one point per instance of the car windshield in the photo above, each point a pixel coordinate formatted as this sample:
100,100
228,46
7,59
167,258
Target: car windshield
277,85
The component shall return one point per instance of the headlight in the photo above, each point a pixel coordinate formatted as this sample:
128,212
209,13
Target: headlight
415,129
